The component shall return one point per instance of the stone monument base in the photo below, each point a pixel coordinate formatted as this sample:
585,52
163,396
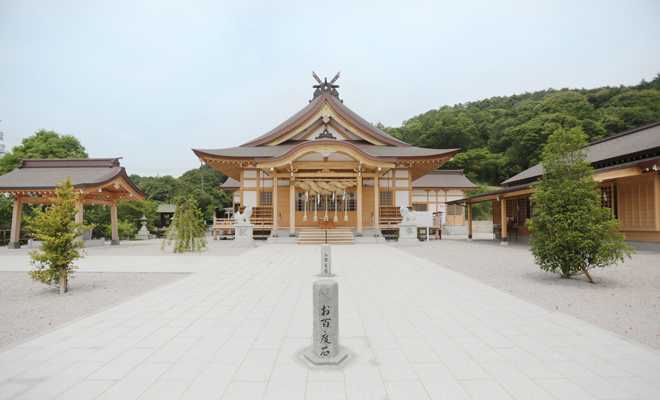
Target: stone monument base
408,235
310,357
243,236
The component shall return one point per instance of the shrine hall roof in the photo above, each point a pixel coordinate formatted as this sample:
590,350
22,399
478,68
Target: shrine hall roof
622,147
444,179
310,109
231,183
281,150
42,174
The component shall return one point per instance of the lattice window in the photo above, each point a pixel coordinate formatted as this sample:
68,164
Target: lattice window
351,201
608,196
385,198
266,199
420,207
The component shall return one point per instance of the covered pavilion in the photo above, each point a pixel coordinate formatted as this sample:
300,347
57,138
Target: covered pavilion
100,181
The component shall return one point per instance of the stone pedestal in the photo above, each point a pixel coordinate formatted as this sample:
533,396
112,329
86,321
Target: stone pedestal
325,338
14,245
144,234
326,261
407,235
243,235
33,244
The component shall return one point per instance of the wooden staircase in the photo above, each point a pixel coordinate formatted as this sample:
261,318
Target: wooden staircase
317,236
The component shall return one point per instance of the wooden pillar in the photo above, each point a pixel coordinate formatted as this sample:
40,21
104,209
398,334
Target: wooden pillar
503,218
376,205
292,209
15,233
359,206
79,215
275,205
469,212
113,224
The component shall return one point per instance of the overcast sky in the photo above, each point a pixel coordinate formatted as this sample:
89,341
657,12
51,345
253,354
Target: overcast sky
149,80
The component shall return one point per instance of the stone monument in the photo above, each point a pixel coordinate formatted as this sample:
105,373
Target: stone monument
243,229
407,229
326,261
325,315
143,233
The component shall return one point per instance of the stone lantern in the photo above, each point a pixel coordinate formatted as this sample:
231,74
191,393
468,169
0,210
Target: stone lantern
144,233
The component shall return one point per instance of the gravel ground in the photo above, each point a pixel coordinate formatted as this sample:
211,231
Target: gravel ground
29,308
625,299
149,248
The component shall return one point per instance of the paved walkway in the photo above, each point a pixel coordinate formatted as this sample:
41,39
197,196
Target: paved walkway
234,330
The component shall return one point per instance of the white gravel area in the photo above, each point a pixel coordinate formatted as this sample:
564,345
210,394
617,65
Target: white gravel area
29,307
625,299
149,248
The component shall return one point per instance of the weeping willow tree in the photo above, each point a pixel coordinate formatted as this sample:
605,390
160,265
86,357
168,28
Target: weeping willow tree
187,230
57,230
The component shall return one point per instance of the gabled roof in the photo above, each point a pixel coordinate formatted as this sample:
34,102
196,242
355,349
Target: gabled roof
625,146
444,179
42,174
332,100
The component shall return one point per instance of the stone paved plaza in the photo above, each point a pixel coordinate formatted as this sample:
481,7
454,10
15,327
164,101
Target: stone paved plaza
235,328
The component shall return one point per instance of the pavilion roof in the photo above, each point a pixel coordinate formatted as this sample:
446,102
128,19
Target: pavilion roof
42,175
637,143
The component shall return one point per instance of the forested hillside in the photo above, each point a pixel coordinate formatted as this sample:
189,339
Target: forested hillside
502,136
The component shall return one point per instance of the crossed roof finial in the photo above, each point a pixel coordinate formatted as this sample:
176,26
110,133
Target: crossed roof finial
325,84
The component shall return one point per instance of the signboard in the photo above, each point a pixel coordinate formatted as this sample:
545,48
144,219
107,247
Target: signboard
424,219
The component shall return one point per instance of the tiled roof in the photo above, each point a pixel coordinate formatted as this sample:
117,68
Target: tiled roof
42,174
444,179
166,208
230,183
281,150
638,142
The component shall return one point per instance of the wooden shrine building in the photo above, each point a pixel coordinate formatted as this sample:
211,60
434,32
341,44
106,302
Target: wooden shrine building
627,167
326,160
100,181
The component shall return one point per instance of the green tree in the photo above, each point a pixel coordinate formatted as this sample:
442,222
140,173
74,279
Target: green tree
481,211
571,232
133,210
43,144
57,230
125,229
6,210
187,229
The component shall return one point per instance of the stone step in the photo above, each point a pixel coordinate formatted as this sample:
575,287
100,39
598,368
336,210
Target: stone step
318,236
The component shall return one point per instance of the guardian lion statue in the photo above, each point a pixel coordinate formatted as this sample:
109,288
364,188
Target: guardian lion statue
245,217
408,216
